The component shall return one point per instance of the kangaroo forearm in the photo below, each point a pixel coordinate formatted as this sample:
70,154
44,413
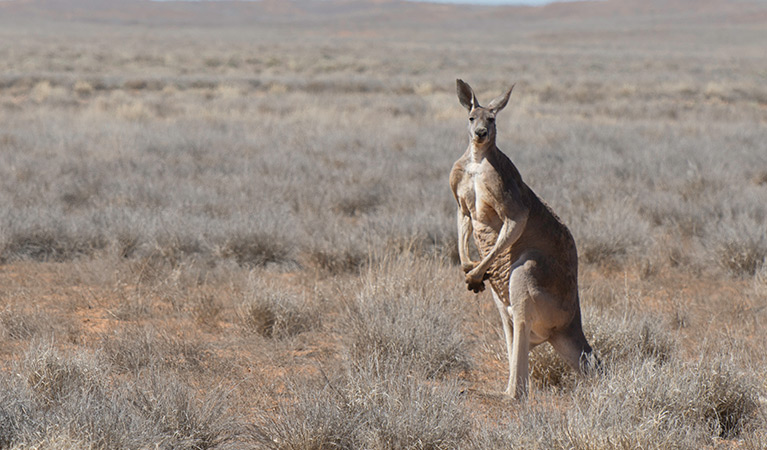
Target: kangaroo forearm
510,233
464,234
501,245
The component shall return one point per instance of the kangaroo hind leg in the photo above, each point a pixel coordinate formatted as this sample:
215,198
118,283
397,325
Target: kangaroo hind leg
508,334
572,346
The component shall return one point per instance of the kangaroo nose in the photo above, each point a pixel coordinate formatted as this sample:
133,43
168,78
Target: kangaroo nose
481,132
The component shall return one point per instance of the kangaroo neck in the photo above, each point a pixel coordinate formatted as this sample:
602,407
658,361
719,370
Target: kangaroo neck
481,151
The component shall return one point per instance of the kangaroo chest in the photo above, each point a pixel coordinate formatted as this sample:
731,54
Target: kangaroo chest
478,197
477,194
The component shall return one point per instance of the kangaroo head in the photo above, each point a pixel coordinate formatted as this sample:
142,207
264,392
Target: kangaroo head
481,118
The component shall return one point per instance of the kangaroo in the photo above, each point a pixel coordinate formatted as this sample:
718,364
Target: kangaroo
528,255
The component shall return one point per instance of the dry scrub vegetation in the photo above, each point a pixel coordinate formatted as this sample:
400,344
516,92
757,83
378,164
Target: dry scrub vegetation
217,235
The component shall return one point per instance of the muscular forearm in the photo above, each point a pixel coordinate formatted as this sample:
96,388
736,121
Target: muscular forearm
510,232
464,234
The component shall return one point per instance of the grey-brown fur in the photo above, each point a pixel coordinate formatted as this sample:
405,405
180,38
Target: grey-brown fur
528,254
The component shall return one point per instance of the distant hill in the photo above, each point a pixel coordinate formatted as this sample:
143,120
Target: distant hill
361,12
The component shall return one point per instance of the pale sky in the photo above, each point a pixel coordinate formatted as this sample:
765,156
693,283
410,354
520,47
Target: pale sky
495,2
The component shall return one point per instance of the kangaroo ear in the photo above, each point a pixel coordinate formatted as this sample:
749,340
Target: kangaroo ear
500,102
466,95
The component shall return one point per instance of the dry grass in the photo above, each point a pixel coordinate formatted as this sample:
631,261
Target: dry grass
398,315
379,405
221,235
68,401
273,313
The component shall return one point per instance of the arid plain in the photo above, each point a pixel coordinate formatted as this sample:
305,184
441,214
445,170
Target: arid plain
229,225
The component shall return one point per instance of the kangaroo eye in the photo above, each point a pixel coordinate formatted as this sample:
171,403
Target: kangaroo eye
491,119
471,119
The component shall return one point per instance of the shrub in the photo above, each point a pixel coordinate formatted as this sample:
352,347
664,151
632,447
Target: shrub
334,259
180,417
319,417
630,337
637,403
50,244
402,410
75,402
743,257
53,378
610,234
679,404
401,314
376,405
273,313
18,410
256,249
616,340
360,201
135,348
20,325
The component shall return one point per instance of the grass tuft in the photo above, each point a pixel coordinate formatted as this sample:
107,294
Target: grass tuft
336,260
274,314
256,249
18,325
370,406
319,417
743,258
183,419
134,348
616,340
53,378
57,245
400,315
359,202
62,401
